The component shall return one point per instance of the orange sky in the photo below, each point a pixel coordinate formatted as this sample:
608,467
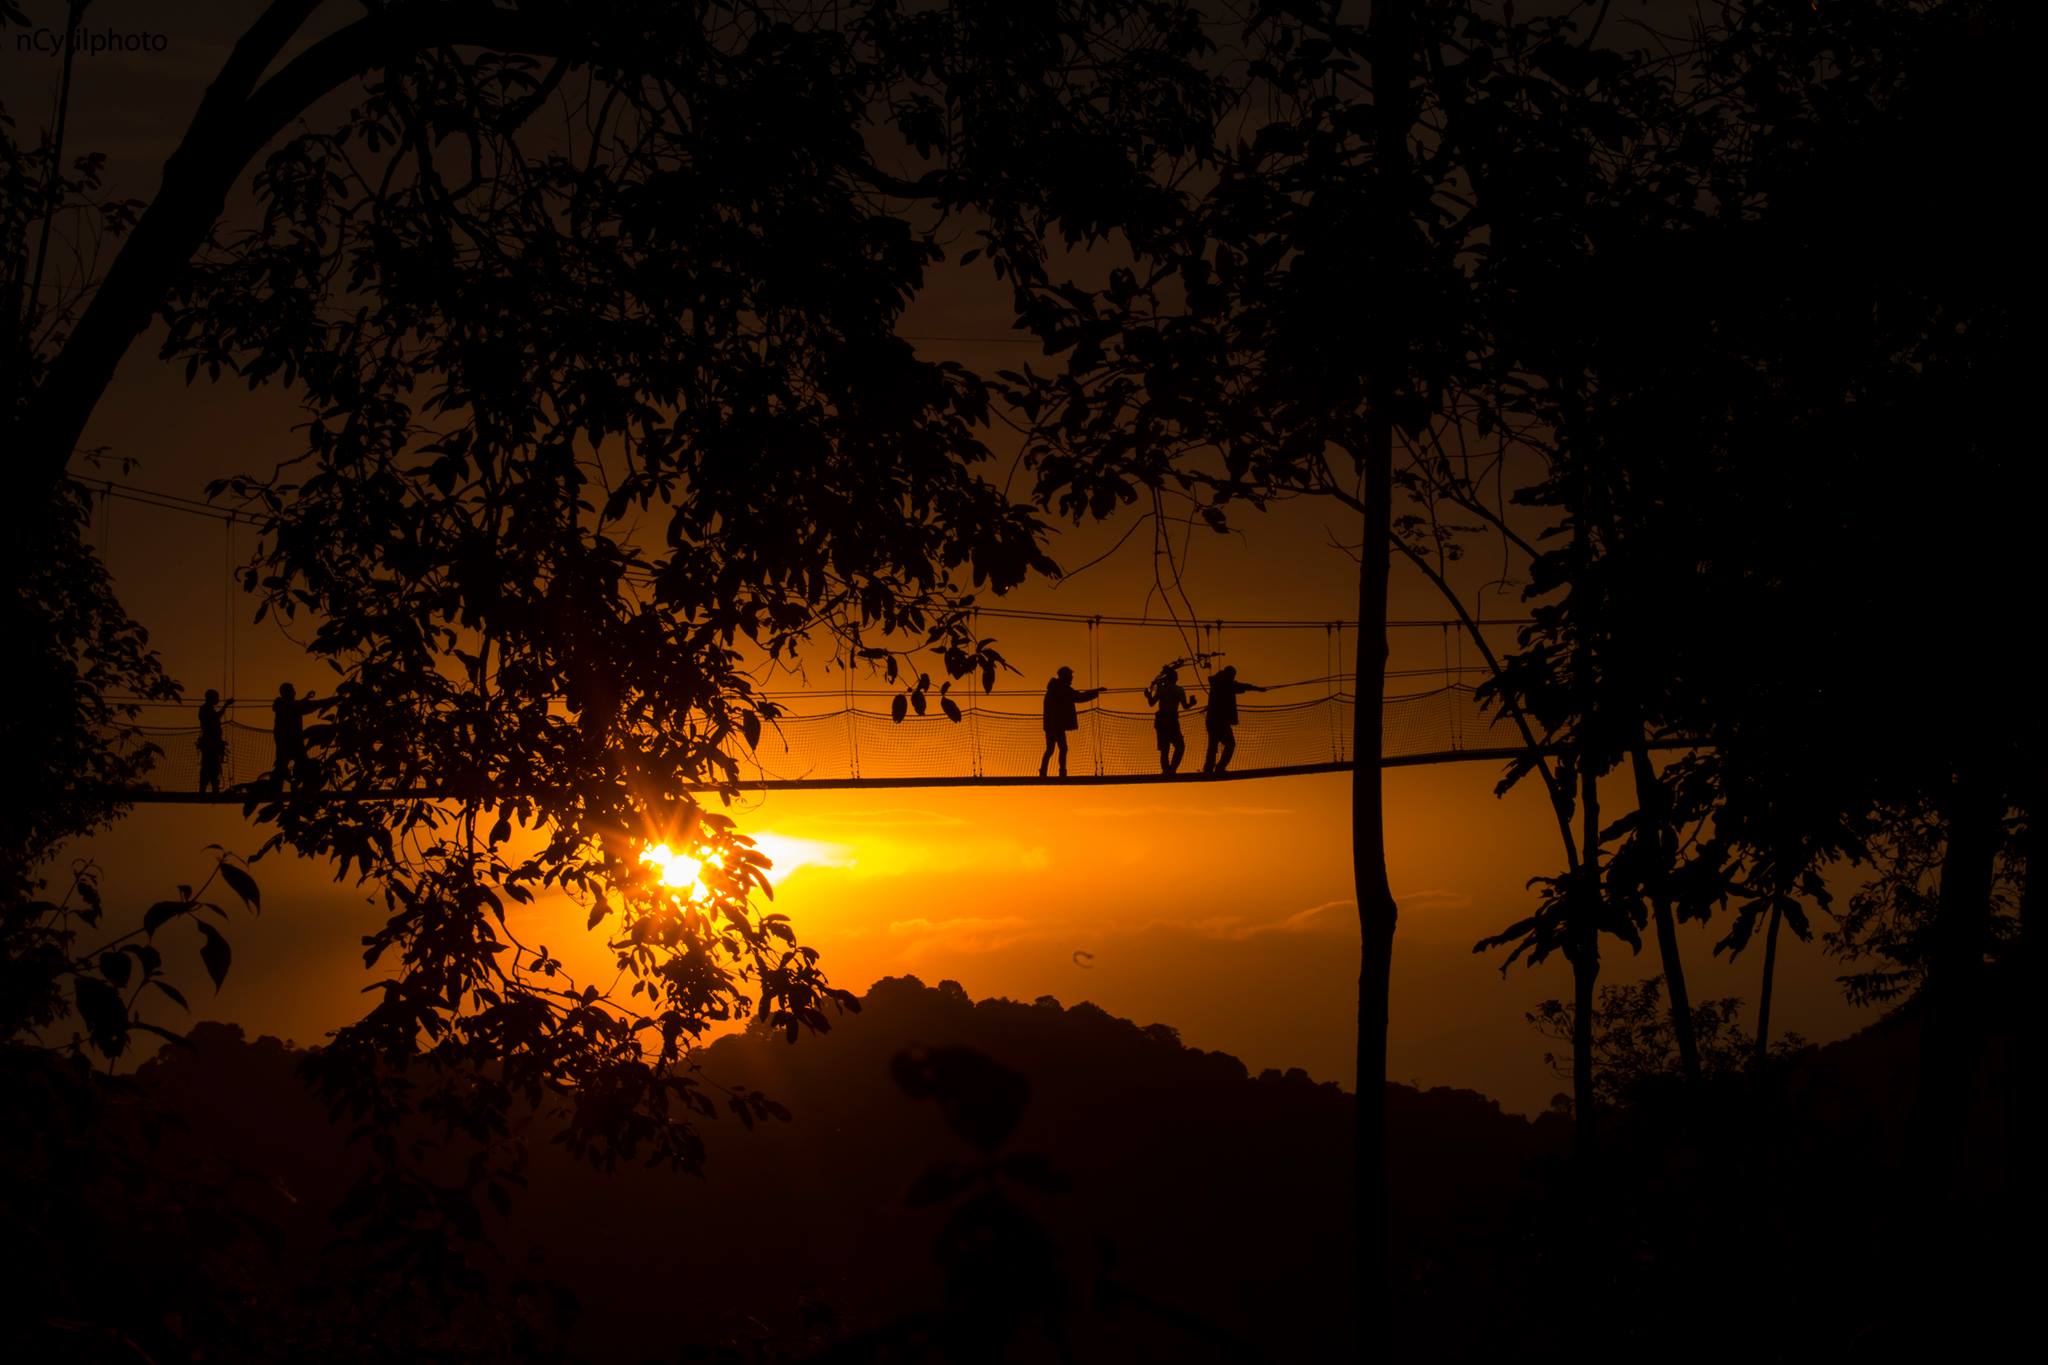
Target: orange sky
1223,910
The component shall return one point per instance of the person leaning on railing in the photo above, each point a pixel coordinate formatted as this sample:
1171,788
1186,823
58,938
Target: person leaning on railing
1221,718
1061,698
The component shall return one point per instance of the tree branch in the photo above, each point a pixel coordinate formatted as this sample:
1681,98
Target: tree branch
1558,804
234,122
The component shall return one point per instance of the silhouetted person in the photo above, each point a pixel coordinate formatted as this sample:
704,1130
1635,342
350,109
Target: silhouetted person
1166,693
213,740
288,732
1061,697
1221,717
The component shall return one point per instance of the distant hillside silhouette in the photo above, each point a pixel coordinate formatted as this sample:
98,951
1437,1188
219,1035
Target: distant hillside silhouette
1216,1201
1220,1195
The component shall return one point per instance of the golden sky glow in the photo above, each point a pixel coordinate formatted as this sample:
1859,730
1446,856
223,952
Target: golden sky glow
1223,910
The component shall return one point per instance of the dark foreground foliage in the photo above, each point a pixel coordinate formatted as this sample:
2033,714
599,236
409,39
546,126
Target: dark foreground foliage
1001,1180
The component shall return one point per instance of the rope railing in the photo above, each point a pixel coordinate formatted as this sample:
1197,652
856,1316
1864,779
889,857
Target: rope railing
857,745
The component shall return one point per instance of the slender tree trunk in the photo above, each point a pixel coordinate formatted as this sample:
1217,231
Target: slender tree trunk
1951,1018
1763,1006
1652,801
1390,45
1376,909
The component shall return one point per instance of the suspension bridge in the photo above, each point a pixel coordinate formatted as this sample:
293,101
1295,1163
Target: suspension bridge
852,737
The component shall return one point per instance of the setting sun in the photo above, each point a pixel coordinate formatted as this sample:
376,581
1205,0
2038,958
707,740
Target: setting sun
679,870
685,871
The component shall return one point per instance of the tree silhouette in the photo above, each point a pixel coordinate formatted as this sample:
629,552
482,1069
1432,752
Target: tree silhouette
1335,316
1268,341
1728,447
605,411
1597,379
1635,1045
1945,325
1864,560
519,346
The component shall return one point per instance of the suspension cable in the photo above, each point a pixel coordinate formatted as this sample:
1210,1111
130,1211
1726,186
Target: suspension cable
974,711
227,614
1095,683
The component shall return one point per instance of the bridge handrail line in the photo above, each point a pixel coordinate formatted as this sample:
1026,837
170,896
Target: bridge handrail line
251,800
797,751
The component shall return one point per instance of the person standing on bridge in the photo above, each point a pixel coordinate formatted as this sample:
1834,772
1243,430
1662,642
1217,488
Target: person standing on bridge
288,732
1221,717
1061,697
213,740
1166,693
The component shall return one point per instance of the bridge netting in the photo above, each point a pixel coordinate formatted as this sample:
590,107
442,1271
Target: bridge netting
1302,721
869,745
865,745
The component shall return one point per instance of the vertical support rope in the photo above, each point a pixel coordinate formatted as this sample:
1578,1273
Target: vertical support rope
852,721
974,762
1330,687
234,607
1346,738
227,611
1450,697
1094,681
1463,715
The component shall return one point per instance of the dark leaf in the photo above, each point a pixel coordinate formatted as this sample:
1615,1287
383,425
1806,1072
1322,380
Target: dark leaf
162,913
214,953
242,884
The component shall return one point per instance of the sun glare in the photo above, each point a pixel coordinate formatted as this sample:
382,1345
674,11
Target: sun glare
679,870
685,871
785,854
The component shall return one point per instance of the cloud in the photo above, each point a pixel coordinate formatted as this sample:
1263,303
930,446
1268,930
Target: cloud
1180,811
1317,919
787,854
970,934
894,858
964,923
1433,900
890,817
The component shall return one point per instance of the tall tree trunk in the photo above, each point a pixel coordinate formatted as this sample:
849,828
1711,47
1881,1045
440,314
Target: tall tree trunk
1763,1005
1654,804
1376,909
1951,1019
1390,43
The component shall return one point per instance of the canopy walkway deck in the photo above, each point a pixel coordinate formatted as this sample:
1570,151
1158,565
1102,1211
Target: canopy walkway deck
854,748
